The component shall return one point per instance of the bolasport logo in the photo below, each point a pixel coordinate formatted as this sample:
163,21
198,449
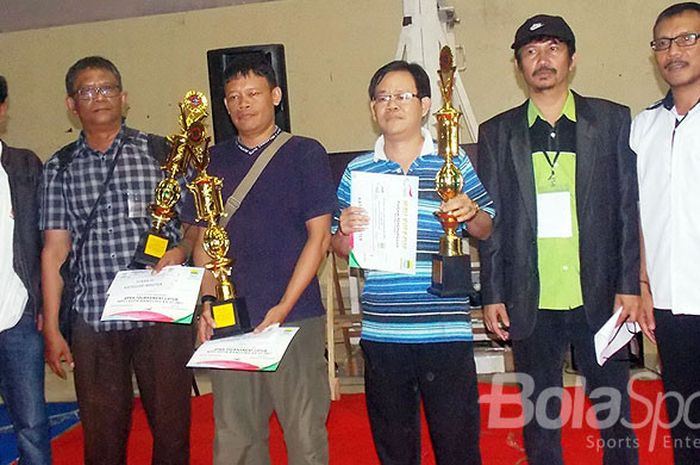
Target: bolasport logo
605,410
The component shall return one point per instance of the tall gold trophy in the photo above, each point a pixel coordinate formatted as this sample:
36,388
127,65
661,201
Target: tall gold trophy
185,147
229,310
451,267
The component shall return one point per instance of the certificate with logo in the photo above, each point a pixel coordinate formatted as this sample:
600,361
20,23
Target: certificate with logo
141,295
248,352
389,242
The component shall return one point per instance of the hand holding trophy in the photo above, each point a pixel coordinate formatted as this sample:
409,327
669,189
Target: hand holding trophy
451,267
228,310
185,148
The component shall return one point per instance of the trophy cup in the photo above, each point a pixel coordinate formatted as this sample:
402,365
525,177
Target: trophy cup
184,147
229,310
451,272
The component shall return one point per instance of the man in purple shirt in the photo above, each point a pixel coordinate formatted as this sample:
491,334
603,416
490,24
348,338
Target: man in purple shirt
279,236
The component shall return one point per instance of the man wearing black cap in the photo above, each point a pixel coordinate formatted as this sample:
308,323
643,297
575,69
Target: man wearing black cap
564,253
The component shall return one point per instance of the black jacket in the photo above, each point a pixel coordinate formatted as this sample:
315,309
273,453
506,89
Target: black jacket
23,170
606,196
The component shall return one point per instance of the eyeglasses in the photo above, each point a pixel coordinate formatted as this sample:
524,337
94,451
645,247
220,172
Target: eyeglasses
90,93
682,40
401,98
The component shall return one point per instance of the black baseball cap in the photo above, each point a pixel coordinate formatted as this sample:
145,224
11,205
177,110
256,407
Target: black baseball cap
544,26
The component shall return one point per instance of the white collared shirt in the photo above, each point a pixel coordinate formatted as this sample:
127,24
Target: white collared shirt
13,294
668,169
427,149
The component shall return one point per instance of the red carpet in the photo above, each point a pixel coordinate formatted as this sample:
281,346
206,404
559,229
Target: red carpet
351,441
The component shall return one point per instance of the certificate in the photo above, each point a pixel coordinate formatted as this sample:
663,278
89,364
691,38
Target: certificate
389,242
140,295
247,352
610,338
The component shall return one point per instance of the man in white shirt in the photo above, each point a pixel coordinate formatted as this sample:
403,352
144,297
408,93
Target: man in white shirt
666,137
21,345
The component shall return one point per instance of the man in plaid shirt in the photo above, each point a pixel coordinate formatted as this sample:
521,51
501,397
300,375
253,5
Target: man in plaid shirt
104,354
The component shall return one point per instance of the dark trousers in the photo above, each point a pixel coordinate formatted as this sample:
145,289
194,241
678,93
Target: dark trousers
443,376
541,356
104,362
678,339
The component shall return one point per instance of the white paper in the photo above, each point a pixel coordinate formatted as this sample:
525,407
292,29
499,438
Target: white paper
609,339
554,214
248,352
140,295
389,242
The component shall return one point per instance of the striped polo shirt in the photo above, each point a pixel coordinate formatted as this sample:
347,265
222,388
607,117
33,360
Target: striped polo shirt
397,308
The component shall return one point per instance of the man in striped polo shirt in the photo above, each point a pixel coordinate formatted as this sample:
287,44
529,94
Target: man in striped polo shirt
416,345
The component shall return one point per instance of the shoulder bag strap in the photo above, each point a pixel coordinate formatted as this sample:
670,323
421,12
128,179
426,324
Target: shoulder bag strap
233,202
103,189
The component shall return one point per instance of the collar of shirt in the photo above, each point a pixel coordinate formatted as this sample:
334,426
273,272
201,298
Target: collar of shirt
569,110
670,105
84,150
253,150
427,149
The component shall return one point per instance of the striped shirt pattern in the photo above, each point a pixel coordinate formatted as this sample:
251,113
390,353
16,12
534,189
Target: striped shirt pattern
397,307
66,202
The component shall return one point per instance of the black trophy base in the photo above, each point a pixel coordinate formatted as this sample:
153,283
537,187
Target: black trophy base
452,276
152,247
231,317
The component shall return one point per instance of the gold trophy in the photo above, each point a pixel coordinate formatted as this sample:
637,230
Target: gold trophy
451,267
229,310
184,148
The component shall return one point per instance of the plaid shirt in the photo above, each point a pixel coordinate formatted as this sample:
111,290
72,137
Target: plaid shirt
120,220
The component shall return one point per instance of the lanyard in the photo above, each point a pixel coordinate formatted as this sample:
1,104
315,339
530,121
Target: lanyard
552,164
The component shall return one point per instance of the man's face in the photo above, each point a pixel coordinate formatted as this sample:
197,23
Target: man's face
251,104
546,64
679,66
398,117
90,105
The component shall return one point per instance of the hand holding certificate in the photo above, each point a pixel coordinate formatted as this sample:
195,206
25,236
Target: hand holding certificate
389,242
140,295
610,338
249,352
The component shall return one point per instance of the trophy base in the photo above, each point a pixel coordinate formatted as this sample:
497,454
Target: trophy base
152,246
231,317
452,276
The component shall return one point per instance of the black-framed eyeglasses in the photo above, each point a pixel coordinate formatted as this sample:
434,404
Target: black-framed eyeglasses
91,92
682,40
401,97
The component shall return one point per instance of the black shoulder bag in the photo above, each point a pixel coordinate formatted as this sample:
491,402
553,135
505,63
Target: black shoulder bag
68,273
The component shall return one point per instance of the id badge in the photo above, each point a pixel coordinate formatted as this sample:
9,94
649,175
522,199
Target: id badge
136,205
554,215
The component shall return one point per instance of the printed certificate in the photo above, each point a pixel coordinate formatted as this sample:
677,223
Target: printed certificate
248,352
389,242
140,295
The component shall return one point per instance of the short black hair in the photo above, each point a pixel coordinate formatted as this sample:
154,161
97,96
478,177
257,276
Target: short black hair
247,63
570,46
3,89
93,62
419,76
675,10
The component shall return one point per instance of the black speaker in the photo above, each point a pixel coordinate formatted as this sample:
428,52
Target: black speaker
217,60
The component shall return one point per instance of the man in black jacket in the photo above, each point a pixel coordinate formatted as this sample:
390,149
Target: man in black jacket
21,345
564,253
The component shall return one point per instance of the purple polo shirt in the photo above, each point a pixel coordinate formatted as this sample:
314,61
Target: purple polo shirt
268,232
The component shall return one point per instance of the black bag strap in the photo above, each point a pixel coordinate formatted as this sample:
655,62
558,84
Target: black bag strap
65,157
